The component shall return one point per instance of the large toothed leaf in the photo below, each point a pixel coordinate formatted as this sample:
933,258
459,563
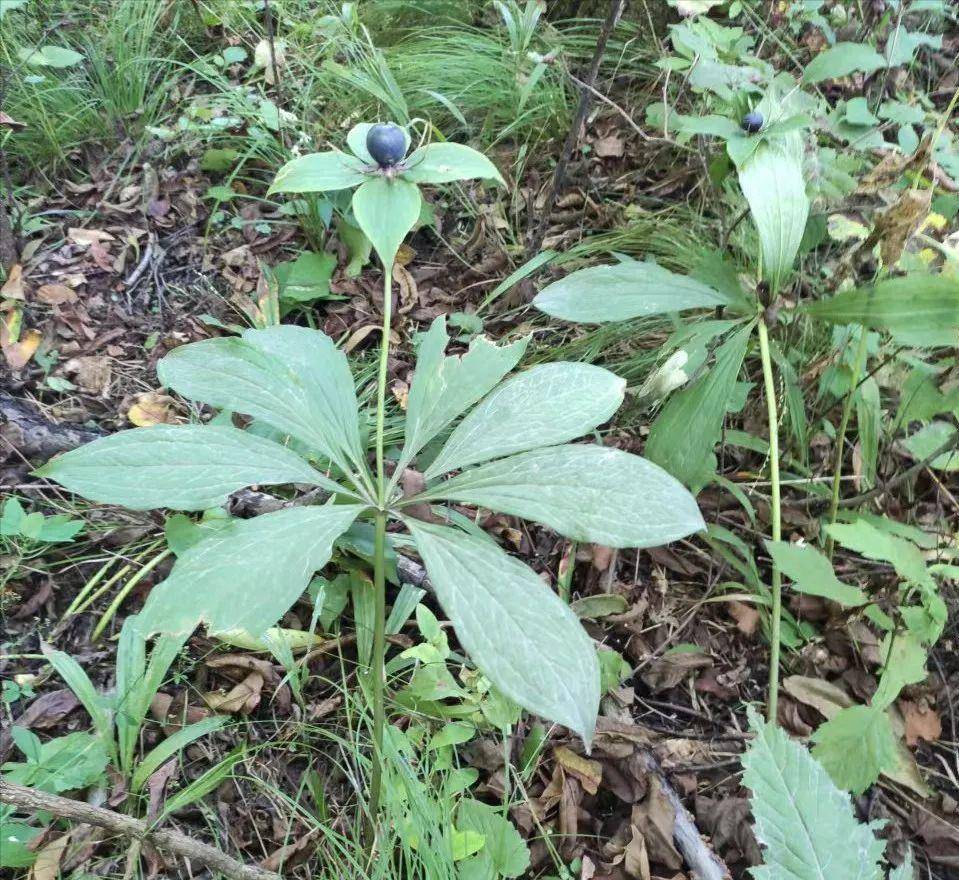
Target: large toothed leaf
323,370
543,406
772,182
805,824
240,376
587,493
319,172
183,467
856,747
248,575
444,162
518,632
445,387
622,291
386,210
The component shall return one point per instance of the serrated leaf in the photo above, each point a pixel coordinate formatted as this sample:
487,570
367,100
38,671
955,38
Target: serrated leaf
319,172
243,375
772,182
841,60
386,210
445,387
518,632
247,575
543,406
682,438
585,492
445,162
622,291
864,538
856,746
183,467
812,573
805,825
917,303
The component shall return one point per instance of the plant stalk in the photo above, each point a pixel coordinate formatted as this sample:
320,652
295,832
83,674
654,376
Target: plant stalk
841,435
776,517
381,384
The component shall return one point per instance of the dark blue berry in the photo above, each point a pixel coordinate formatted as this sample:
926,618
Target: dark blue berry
386,143
752,122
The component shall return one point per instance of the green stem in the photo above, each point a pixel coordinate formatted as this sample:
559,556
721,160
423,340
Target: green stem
841,435
775,514
381,384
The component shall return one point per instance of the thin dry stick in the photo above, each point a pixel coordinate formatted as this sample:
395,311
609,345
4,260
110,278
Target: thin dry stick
172,841
585,100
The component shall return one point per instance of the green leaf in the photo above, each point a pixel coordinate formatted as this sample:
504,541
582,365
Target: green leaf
264,375
905,871
445,387
16,836
307,278
505,851
183,467
585,492
910,304
812,573
248,575
323,371
863,537
99,707
386,210
928,439
772,182
319,172
445,162
519,633
543,406
622,291
171,745
682,438
805,825
856,746
49,56
904,664
841,60
67,762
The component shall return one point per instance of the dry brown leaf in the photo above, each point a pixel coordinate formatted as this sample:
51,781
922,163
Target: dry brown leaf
19,352
589,773
668,671
921,722
87,237
10,122
655,818
611,147
13,286
241,699
55,294
47,865
93,372
746,617
409,295
827,699
153,408
895,226
635,856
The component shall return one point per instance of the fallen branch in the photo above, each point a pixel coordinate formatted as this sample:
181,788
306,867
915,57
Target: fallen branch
172,841
33,435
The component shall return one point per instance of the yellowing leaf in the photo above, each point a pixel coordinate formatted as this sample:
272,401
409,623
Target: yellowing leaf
13,286
153,408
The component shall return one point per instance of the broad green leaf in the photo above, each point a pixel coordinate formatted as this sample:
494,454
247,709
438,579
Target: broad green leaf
445,387
841,60
682,438
856,746
307,278
930,438
864,538
622,291
772,182
812,573
444,162
505,852
248,575
324,371
585,492
243,375
319,172
49,56
16,836
543,406
386,210
183,467
904,664
519,633
67,762
916,303
805,825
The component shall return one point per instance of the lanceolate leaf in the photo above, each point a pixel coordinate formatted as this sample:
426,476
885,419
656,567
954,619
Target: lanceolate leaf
240,376
183,467
386,210
319,172
842,59
545,405
856,746
812,573
248,575
443,162
805,825
323,370
520,634
772,182
585,492
914,303
445,387
683,436
622,291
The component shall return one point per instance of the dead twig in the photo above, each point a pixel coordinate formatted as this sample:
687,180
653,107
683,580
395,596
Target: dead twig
173,842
